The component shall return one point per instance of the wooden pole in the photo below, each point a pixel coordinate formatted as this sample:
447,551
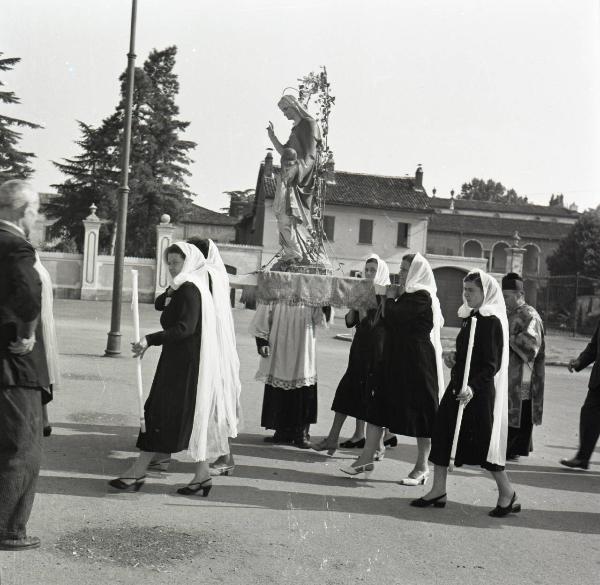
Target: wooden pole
461,406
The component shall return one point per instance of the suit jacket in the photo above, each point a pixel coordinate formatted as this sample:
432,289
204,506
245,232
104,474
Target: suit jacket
591,354
20,302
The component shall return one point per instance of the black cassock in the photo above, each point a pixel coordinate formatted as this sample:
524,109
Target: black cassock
169,409
409,400
478,415
364,373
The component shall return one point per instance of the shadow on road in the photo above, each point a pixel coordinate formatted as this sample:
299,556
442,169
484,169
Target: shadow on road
455,514
90,449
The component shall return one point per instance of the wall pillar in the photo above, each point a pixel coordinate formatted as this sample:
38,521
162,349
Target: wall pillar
164,238
89,271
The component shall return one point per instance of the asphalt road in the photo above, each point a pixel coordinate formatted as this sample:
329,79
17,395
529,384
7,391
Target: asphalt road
288,516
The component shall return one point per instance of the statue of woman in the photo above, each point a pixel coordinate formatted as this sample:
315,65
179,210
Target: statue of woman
296,183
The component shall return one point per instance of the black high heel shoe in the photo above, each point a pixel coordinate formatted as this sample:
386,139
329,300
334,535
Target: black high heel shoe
349,444
391,442
439,502
200,486
47,431
500,511
119,484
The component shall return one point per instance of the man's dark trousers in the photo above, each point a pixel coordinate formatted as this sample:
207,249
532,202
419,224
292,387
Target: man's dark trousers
20,455
589,424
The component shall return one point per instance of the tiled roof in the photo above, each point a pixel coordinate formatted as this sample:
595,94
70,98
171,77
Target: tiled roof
498,226
525,208
373,191
202,215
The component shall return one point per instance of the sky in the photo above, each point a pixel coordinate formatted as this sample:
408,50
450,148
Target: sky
507,90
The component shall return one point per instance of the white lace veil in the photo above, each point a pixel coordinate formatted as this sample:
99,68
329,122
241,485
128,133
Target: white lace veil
218,390
48,328
493,304
420,277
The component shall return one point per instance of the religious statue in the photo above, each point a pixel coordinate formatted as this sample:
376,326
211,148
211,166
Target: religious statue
296,185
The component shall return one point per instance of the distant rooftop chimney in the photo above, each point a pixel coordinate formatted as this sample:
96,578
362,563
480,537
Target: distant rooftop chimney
269,163
452,200
573,207
419,177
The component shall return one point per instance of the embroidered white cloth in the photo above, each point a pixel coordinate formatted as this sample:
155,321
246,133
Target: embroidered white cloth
290,331
216,414
315,290
420,277
493,304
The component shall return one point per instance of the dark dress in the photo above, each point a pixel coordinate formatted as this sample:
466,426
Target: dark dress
169,410
478,415
364,373
409,400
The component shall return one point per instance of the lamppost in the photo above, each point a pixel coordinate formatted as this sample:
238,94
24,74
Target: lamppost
113,345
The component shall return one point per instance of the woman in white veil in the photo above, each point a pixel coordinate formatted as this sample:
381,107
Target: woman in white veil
194,399
351,396
49,338
483,432
413,374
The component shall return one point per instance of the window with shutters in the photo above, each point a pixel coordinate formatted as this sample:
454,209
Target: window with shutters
402,239
365,232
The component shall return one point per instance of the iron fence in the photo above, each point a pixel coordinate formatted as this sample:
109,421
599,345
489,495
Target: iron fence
568,304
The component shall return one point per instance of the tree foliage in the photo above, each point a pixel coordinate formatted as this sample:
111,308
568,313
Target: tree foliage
490,190
158,165
579,250
14,163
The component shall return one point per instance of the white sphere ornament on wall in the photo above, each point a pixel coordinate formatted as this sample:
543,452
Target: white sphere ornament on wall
165,218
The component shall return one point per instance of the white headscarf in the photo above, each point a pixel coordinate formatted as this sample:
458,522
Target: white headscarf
493,304
420,277
218,391
382,276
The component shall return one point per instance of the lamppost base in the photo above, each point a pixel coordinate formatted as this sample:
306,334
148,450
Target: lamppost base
113,346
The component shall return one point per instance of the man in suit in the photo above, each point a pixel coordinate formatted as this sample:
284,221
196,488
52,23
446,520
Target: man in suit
589,420
23,370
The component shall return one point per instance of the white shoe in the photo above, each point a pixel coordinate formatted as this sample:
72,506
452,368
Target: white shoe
413,481
367,469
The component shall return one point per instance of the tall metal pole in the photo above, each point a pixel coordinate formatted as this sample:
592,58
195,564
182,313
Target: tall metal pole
113,346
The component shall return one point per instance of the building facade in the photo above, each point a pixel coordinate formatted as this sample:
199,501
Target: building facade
364,214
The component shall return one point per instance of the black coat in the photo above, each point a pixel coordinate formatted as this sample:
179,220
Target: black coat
410,372
364,374
169,409
591,354
20,302
478,416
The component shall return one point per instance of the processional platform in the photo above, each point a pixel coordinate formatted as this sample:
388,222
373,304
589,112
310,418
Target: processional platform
316,290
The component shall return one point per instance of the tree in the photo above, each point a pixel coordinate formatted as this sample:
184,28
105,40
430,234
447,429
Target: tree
93,178
579,250
158,161
14,163
490,190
